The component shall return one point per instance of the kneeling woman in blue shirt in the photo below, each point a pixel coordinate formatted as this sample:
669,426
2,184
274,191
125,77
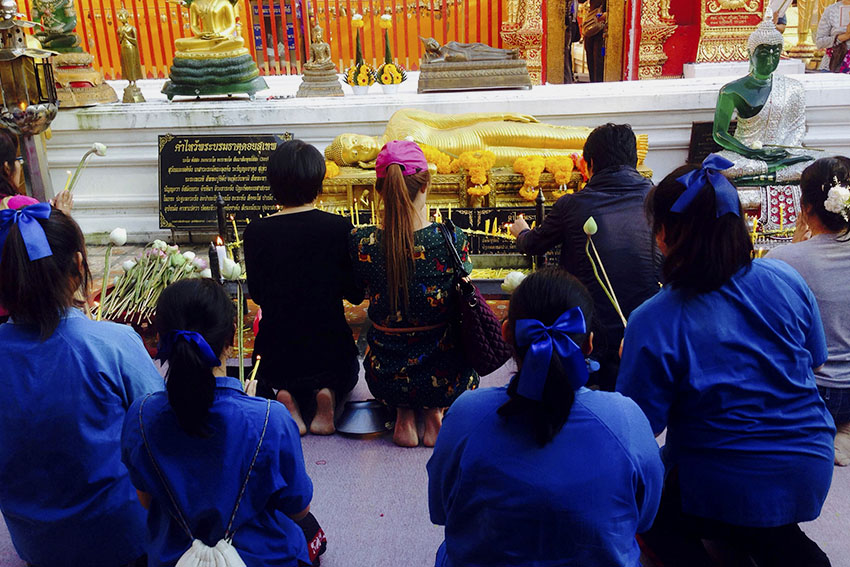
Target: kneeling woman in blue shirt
211,462
723,357
544,471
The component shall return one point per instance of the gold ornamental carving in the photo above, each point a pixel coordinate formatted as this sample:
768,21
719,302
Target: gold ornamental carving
725,26
523,30
715,6
657,25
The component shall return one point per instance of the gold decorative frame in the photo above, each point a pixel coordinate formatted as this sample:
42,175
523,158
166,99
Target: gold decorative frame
524,30
724,33
657,25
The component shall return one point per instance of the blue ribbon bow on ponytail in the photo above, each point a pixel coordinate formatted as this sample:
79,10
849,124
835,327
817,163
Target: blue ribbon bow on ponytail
166,344
31,230
544,343
725,194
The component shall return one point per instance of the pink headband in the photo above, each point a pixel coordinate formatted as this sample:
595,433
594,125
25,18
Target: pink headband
408,155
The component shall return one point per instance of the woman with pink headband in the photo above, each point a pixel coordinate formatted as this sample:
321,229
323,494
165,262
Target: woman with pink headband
413,362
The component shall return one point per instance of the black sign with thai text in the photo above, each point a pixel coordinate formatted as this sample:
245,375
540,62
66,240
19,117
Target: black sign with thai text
193,170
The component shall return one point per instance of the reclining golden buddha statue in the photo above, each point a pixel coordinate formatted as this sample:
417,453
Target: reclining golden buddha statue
507,135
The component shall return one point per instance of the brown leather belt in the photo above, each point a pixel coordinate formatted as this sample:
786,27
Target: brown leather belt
400,330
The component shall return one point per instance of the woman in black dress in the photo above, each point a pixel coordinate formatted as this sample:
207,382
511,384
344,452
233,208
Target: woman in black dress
299,271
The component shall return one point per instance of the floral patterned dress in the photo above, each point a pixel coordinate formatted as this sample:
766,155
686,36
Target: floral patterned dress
417,368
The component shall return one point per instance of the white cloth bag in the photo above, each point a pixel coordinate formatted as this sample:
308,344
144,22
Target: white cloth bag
202,555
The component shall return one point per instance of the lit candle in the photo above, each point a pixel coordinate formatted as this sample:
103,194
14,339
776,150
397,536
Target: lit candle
755,227
256,367
235,231
221,252
438,218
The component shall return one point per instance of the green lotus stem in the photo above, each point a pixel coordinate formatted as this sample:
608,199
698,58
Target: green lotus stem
608,294
80,167
358,50
240,337
105,283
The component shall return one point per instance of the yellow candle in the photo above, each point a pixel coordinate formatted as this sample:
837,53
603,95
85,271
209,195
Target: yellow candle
487,226
438,218
68,181
372,215
495,226
755,227
356,216
450,212
256,367
235,231
533,223
781,216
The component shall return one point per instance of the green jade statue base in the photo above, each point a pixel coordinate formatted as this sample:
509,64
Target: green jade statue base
204,77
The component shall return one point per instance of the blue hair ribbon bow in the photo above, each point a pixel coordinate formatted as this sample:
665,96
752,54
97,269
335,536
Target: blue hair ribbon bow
207,355
31,230
725,194
546,341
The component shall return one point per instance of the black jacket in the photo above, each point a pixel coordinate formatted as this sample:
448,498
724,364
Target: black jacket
614,197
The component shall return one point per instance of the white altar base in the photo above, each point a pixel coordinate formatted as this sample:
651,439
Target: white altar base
121,189
738,69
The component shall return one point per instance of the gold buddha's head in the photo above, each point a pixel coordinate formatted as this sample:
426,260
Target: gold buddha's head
765,46
123,15
352,149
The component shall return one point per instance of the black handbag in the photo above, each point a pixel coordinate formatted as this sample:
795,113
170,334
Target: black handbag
839,53
478,328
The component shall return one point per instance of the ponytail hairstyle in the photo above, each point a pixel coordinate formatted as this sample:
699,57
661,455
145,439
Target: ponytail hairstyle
200,306
815,183
545,295
8,156
37,292
402,172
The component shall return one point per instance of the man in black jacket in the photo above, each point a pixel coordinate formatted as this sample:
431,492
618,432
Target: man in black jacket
614,197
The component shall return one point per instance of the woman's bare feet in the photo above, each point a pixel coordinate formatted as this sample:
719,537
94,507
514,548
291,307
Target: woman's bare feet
286,399
323,423
842,445
433,423
404,434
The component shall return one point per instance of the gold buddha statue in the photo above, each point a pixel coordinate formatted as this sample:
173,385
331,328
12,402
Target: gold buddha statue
507,135
213,24
131,65
214,60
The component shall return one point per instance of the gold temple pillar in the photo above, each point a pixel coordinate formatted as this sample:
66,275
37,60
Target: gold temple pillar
614,40
556,12
524,30
657,25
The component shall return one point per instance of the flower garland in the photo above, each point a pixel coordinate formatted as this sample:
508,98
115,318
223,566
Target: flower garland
838,200
562,168
444,162
477,164
361,74
530,167
331,169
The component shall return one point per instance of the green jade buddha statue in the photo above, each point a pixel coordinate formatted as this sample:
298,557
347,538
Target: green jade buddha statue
767,145
58,20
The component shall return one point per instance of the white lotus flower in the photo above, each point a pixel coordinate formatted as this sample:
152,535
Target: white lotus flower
189,255
230,270
199,263
512,281
206,273
590,226
172,250
129,265
99,149
757,145
159,245
118,237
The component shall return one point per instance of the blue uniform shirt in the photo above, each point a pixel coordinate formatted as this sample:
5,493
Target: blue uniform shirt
206,475
65,495
729,373
579,500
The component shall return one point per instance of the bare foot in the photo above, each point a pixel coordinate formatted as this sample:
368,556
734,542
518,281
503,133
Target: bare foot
433,423
842,445
404,434
323,423
286,399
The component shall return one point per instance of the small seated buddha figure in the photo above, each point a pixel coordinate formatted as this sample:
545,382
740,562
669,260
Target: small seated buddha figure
58,20
507,135
771,108
214,60
320,78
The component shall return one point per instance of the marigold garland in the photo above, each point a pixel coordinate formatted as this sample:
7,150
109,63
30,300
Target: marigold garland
391,74
441,160
530,167
331,169
561,167
477,164
479,190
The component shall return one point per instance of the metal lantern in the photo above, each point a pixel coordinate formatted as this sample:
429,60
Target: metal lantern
26,77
